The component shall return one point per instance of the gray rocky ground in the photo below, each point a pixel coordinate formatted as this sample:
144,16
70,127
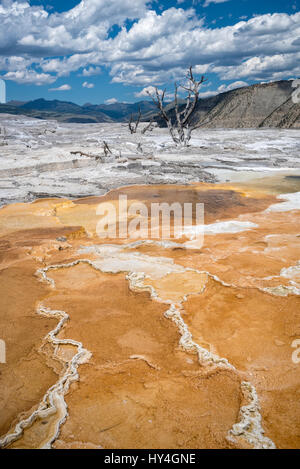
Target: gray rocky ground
41,158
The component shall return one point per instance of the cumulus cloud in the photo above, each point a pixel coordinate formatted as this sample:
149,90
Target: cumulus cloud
111,101
208,2
275,67
216,50
85,84
66,65
223,88
61,88
208,94
232,86
32,29
29,77
151,90
37,46
146,91
89,71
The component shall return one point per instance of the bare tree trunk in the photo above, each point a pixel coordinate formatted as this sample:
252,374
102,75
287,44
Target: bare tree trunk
182,128
133,126
148,127
106,149
3,135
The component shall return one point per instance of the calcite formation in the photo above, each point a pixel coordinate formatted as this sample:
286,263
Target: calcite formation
151,343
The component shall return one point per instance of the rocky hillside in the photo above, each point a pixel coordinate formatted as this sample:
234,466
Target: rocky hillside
262,105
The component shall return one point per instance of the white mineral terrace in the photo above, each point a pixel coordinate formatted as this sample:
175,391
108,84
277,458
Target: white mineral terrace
40,158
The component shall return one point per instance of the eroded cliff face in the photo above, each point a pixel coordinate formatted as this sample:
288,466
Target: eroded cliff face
260,105
150,343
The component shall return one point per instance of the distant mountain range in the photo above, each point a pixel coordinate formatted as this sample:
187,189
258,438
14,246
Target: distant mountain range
261,105
64,111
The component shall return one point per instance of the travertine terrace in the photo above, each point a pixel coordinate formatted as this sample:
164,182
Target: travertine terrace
149,343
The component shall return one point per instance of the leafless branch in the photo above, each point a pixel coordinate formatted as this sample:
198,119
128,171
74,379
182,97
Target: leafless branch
106,149
182,128
134,125
148,127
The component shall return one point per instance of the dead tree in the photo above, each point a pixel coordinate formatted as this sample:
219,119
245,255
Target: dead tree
134,125
149,127
182,126
3,136
106,150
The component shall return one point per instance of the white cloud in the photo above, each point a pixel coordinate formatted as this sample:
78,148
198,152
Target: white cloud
223,88
87,72
221,49
151,90
232,86
14,63
208,2
201,69
85,84
29,77
37,46
63,67
207,94
32,28
146,91
273,68
61,88
111,101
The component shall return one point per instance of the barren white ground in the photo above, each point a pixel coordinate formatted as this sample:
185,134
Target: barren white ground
41,158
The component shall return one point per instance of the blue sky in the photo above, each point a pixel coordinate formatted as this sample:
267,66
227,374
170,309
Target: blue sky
107,50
